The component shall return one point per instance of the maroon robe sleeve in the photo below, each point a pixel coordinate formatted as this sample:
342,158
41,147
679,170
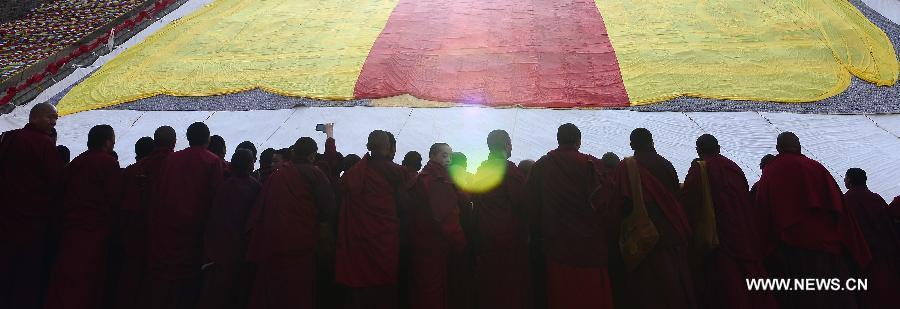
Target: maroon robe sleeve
533,198
324,195
515,189
691,194
894,208
444,201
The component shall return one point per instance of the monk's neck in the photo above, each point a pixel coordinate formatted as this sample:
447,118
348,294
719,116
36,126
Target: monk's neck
33,127
709,155
645,151
567,148
164,149
497,156
863,188
377,157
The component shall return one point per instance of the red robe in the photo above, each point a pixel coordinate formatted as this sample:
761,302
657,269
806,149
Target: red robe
92,186
721,271
574,236
662,278
30,176
660,168
502,265
368,239
188,181
284,229
894,211
228,280
434,232
877,226
804,218
138,182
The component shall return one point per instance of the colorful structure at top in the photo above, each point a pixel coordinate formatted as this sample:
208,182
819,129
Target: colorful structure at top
532,53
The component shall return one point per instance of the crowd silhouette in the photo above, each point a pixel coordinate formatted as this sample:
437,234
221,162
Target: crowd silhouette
311,229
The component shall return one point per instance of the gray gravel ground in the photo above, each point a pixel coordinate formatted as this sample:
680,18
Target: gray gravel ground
861,98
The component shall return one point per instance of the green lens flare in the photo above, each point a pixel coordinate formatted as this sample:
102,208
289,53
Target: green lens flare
489,176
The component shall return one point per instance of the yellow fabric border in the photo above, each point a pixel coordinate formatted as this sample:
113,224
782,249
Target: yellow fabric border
302,48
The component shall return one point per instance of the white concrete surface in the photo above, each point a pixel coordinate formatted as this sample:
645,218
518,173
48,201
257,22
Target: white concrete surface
838,141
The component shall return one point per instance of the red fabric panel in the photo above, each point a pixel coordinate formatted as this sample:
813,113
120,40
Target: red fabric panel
495,52
577,287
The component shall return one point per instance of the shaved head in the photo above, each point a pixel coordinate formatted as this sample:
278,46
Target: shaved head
498,141
379,143
855,177
164,137
525,166
765,160
242,162
304,149
43,117
641,139
707,144
568,135
143,147
440,153
788,142
610,160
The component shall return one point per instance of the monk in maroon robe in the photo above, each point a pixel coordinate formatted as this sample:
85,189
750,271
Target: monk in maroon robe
762,165
574,238
265,165
876,224
726,247
187,183
92,186
284,229
894,211
228,276
30,177
809,226
138,187
502,265
331,163
368,239
435,231
653,230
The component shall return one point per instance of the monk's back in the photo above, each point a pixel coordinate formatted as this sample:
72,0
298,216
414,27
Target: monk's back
501,224
30,171
187,182
288,213
572,232
92,183
224,241
368,227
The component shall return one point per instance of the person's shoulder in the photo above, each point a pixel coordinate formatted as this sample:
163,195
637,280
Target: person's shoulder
663,159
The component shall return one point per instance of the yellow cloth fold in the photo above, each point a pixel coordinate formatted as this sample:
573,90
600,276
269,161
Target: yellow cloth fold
706,233
781,51
638,235
305,48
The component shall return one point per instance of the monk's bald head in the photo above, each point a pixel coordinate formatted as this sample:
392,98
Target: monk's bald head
498,141
707,145
164,137
43,117
788,142
379,143
568,135
610,160
304,149
855,178
641,139
765,160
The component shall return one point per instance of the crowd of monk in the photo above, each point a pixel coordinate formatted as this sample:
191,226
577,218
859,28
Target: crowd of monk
188,229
